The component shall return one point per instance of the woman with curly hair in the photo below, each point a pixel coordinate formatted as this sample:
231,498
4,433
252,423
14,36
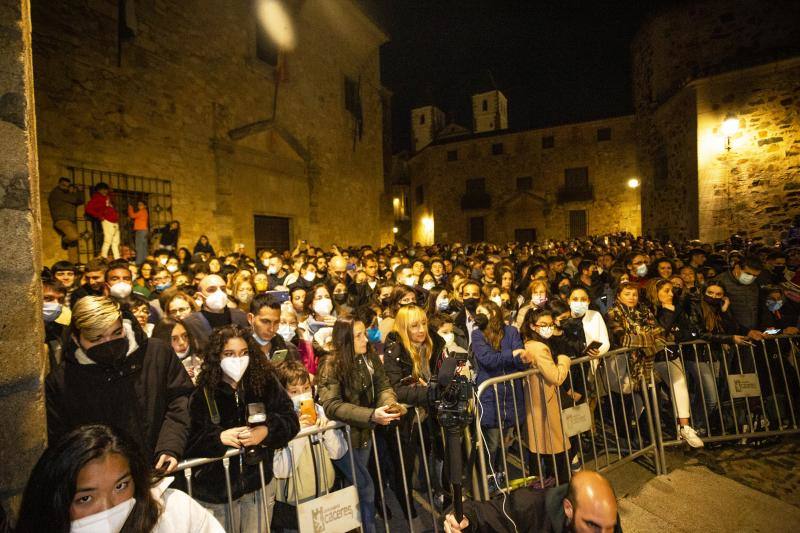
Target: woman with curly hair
233,380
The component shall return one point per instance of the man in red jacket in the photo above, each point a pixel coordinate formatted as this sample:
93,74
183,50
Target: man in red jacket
101,207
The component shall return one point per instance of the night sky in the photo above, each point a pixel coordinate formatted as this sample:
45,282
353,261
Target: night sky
556,61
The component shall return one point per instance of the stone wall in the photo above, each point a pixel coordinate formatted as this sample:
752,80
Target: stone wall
164,102
22,413
754,187
611,164
674,49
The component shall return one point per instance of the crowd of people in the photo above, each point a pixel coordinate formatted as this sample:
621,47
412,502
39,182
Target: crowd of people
189,354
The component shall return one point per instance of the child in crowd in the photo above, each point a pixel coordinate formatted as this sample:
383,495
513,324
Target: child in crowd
311,481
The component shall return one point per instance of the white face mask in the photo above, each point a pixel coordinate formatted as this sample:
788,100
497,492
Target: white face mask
172,268
287,332
234,367
538,300
443,304
498,300
746,279
244,297
108,521
545,332
323,307
449,338
51,310
217,300
272,270
641,270
309,276
428,285
120,290
579,308
183,354
299,398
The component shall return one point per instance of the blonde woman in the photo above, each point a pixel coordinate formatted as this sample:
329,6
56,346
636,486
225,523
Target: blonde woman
411,357
110,365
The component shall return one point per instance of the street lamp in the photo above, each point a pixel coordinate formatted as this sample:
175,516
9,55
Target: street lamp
633,183
729,128
275,19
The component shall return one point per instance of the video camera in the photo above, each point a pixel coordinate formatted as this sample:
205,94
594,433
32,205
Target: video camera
452,395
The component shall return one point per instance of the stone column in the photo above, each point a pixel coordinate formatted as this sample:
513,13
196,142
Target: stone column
22,362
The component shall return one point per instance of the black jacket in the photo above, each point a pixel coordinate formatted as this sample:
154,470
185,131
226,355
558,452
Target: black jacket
533,510
148,398
201,329
398,365
282,424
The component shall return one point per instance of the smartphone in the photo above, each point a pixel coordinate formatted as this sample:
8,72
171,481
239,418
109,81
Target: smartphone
594,345
394,408
771,331
278,296
279,356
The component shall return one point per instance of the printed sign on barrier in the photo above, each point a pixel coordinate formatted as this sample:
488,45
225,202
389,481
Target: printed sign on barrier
336,512
576,419
744,385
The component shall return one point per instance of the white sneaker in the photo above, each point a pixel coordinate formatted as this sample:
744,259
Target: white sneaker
690,436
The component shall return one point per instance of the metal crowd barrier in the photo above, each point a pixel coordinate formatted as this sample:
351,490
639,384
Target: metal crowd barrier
397,459
736,392
609,424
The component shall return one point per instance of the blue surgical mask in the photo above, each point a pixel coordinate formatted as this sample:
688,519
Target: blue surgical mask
51,310
163,286
259,340
774,305
374,335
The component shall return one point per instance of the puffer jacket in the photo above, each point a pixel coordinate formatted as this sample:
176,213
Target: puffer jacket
204,440
398,365
353,399
493,363
147,397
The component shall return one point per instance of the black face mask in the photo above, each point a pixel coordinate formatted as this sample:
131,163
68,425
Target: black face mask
110,353
564,290
340,298
481,321
471,304
676,292
778,270
716,303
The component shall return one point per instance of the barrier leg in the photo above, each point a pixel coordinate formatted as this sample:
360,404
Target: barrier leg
654,426
434,514
789,398
264,502
380,479
226,465
406,492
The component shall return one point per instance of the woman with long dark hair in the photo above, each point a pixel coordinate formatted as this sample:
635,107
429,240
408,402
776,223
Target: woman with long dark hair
235,378
183,343
94,476
497,348
354,389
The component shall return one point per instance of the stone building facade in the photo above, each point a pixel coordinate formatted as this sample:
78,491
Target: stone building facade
535,184
186,93
694,67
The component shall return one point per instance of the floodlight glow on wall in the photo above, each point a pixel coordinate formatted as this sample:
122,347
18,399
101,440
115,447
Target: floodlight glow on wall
395,230
633,183
729,128
275,19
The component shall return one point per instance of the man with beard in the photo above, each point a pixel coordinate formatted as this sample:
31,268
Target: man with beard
586,505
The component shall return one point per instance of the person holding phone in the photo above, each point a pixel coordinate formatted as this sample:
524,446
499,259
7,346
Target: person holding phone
265,320
354,389
234,378
411,357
